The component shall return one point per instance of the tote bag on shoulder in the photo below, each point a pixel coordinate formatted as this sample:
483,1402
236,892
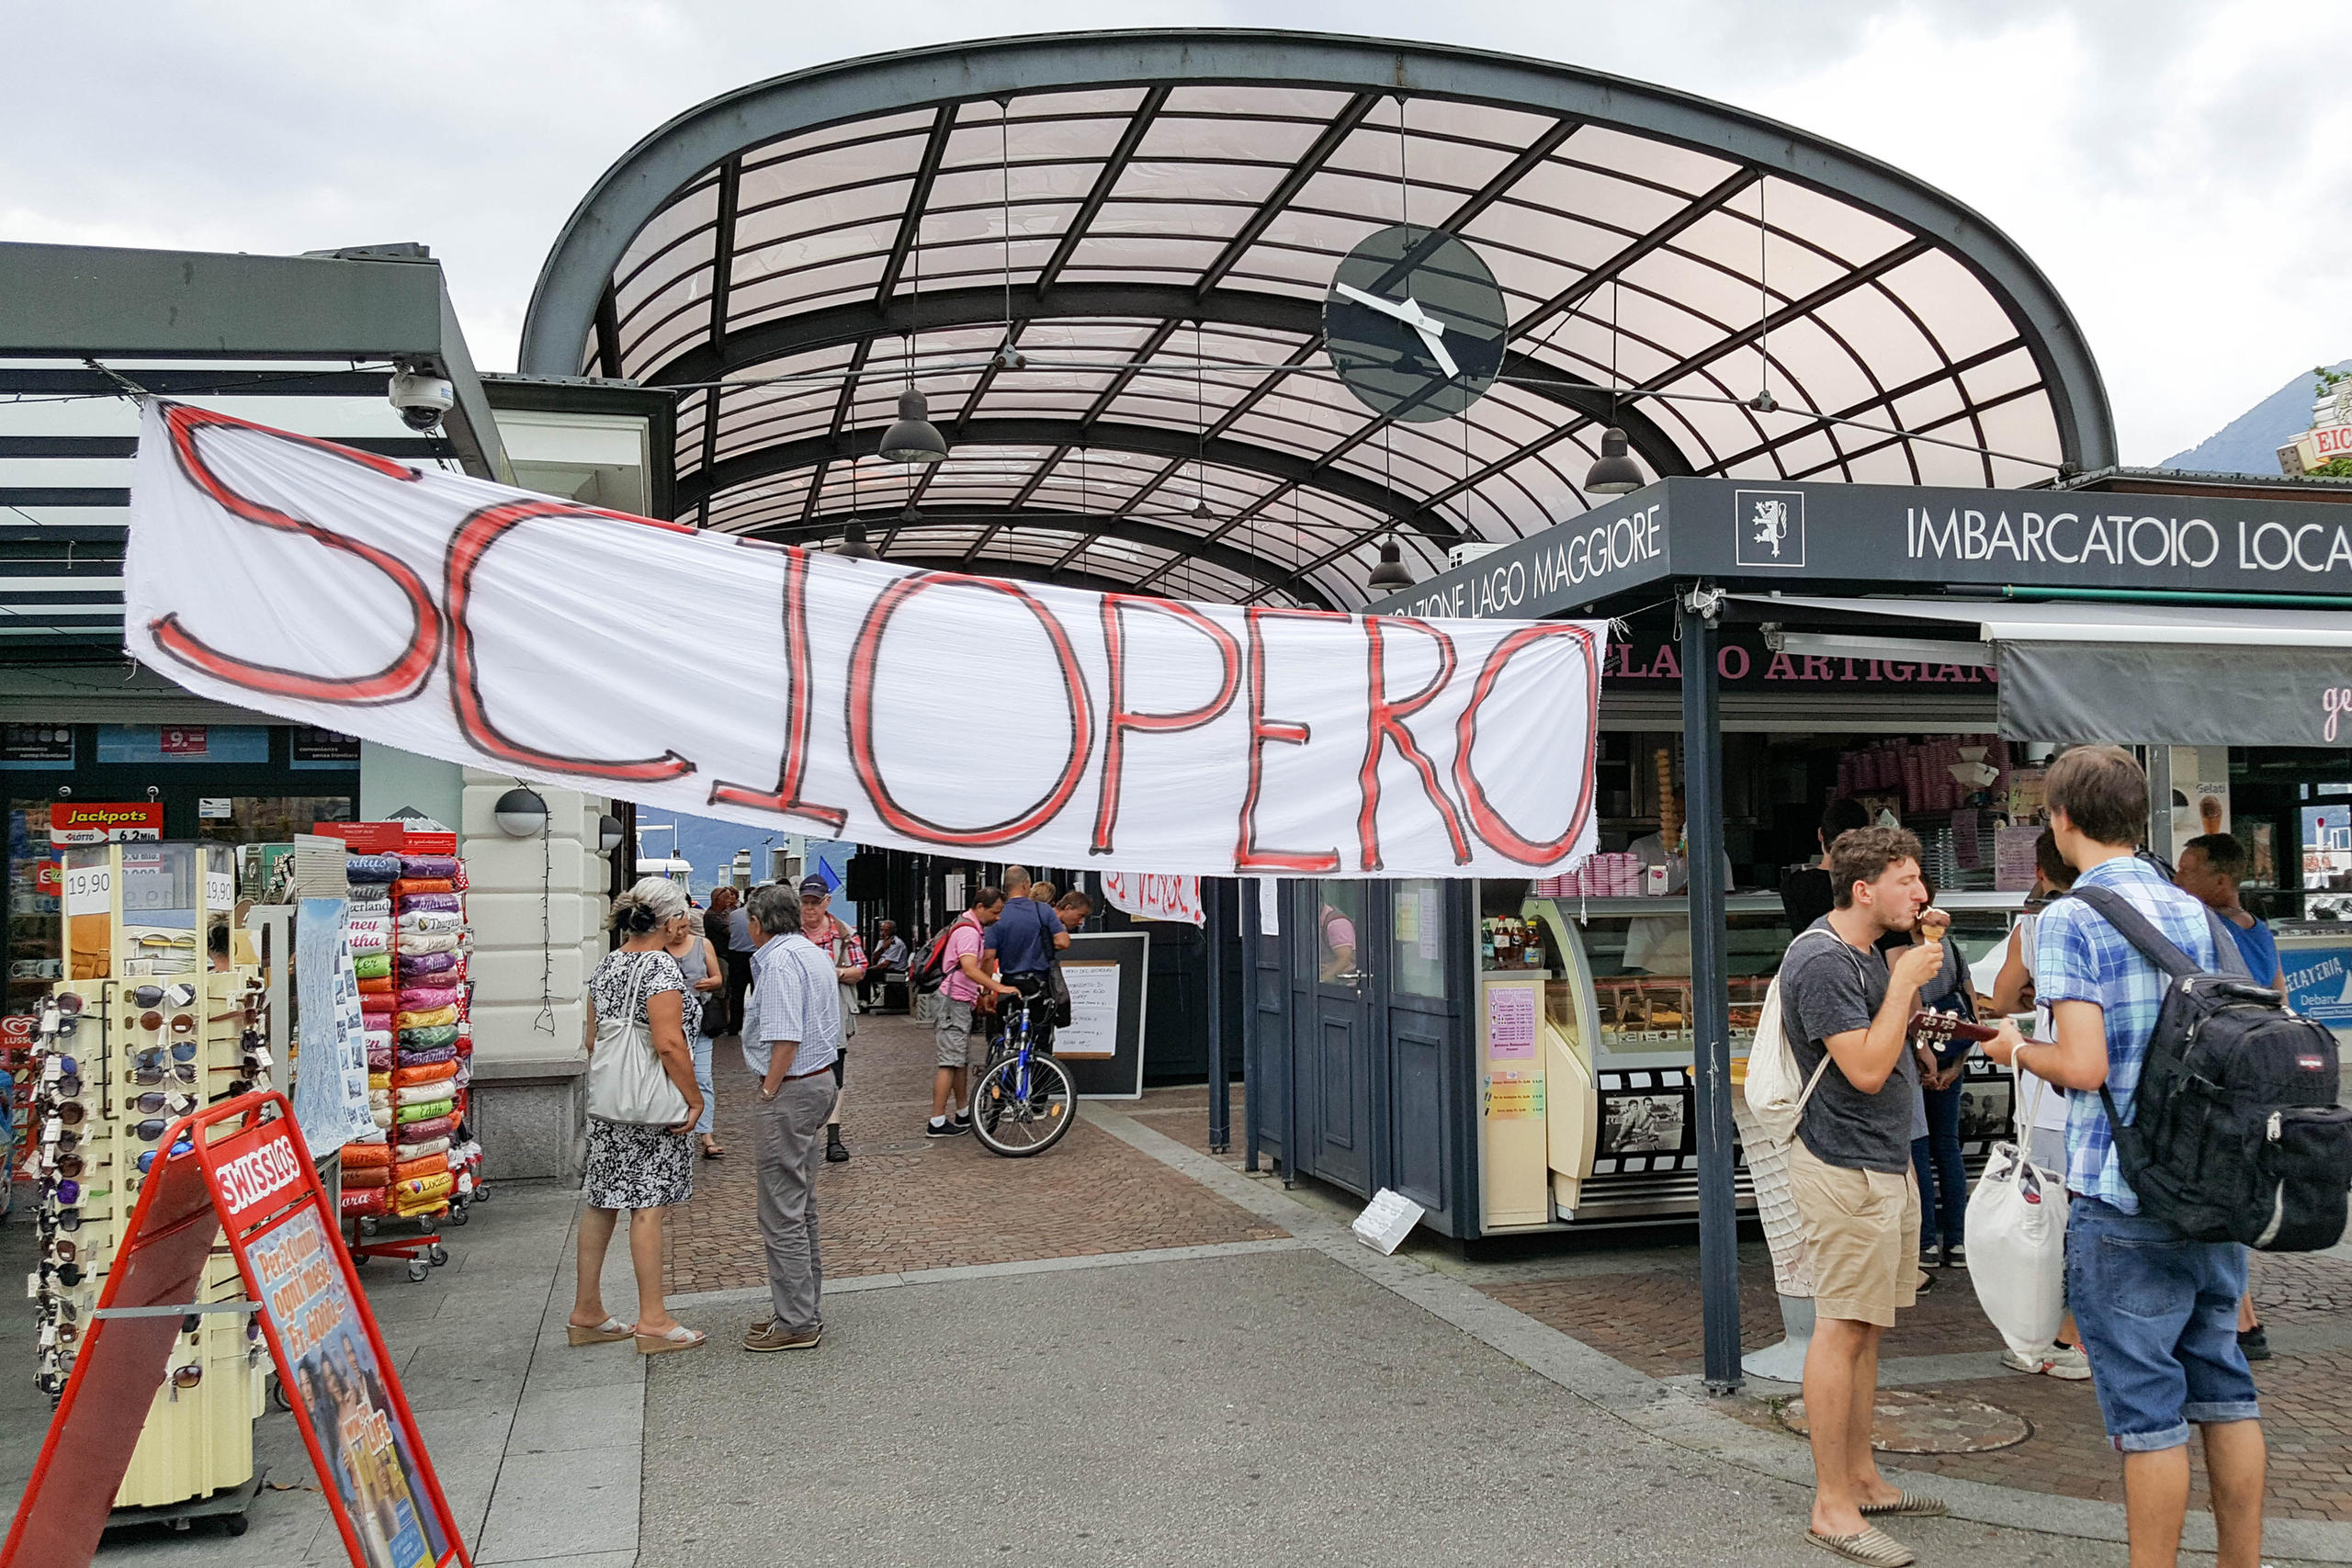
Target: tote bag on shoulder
626,1080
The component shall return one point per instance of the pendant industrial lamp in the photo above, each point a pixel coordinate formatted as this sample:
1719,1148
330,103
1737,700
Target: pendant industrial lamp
1615,474
1391,574
853,545
914,439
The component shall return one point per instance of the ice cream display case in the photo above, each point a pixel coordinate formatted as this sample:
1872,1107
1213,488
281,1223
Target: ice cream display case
1614,975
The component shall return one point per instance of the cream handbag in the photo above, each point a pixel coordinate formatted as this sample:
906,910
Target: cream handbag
626,1080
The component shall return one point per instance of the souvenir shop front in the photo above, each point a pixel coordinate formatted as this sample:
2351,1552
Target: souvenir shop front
1519,1055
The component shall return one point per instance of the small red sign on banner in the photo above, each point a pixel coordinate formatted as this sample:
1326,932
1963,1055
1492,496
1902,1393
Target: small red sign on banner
186,740
258,1184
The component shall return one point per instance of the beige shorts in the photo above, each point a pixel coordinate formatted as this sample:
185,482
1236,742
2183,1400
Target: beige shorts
1861,1233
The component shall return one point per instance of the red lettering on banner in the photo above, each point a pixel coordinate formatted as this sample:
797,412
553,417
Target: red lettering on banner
402,677
1247,856
1387,728
1121,720
471,541
1489,822
785,798
866,652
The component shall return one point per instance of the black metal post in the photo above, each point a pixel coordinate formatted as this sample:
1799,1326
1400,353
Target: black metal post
1703,764
1219,896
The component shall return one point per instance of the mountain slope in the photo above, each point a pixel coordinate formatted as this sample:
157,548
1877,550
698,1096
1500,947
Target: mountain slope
2249,444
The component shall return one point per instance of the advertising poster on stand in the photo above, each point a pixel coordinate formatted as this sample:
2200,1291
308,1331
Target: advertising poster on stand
339,1392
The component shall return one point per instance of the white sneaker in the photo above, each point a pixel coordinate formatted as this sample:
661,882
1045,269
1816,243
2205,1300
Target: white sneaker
2069,1363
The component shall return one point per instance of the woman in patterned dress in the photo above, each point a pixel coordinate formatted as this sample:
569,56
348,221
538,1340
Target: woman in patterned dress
641,1168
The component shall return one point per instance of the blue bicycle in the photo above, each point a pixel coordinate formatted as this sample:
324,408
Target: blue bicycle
1022,1103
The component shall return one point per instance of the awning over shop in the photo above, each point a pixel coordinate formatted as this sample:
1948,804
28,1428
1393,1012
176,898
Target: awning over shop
2178,674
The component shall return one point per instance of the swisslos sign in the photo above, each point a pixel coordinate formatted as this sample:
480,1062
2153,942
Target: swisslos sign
1768,534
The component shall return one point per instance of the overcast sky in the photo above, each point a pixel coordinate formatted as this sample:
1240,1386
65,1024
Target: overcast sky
2180,168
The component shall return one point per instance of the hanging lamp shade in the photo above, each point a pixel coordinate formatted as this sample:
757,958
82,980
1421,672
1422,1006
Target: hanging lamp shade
914,439
854,545
1615,474
1201,512
1391,574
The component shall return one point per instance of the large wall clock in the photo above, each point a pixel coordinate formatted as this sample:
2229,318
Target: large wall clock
1414,323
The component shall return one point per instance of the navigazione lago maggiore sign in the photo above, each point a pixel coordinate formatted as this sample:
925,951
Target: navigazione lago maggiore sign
1759,533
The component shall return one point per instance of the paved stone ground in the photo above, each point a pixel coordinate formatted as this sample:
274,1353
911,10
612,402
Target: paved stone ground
1645,1313
904,1201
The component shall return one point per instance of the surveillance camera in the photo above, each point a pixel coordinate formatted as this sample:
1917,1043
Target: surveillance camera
422,399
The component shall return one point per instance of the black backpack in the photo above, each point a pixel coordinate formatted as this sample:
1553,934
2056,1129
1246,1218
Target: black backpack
2235,1133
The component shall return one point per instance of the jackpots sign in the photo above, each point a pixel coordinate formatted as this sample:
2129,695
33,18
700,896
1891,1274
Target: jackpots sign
537,638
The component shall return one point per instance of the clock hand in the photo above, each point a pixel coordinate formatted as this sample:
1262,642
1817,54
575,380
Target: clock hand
1404,312
1428,331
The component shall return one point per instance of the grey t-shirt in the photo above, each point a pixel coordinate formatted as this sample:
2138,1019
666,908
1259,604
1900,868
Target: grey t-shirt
1829,986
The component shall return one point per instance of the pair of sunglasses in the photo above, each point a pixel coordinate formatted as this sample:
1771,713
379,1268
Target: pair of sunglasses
185,1376
178,1072
181,1023
67,1274
153,1055
62,1165
178,995
159,940
63,1190
147,1161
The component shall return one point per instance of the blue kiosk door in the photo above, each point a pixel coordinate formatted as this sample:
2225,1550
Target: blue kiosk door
1335,1034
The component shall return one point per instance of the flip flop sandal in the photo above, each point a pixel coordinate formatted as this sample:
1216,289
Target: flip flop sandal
612,1331
1906,1504
712,1151
1868,1545
681,1338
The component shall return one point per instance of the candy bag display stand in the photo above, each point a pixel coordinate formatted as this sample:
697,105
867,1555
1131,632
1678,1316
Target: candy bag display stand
411,946
139,1034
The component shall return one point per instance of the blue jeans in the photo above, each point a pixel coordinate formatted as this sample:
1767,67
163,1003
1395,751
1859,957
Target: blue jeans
1943,1177
700,1045
2159,1317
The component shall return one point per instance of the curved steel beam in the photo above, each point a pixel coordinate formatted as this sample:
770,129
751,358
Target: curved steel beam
579,268
1150,439
1157,535
864,321
1027,571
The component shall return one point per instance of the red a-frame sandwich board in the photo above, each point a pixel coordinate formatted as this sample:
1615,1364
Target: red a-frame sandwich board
258,1185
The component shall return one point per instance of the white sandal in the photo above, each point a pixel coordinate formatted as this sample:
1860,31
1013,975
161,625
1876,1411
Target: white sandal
612,1331
678,1337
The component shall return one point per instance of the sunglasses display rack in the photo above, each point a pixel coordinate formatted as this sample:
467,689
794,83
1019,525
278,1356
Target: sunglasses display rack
141,1036
411,945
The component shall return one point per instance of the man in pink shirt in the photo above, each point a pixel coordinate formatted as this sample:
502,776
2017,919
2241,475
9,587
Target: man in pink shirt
952,1023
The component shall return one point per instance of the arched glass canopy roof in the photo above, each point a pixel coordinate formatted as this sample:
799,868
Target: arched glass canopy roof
1152,219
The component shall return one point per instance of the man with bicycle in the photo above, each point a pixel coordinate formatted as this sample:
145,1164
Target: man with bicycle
1024,940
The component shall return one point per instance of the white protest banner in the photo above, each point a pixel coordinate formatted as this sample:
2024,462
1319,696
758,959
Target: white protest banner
921,710
1153,896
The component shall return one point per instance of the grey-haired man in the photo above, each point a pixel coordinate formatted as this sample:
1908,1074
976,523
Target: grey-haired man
792,1032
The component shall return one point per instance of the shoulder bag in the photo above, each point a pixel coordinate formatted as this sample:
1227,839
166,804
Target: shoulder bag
626,1080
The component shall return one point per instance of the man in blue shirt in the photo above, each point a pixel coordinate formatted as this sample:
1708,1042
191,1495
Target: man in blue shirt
1027,935
2211,866
2158,1312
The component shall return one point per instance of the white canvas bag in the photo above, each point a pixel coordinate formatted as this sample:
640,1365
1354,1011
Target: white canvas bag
2017,1245
626,1080
1776,1091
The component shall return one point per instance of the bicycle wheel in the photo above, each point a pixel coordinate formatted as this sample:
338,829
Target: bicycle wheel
1017,1124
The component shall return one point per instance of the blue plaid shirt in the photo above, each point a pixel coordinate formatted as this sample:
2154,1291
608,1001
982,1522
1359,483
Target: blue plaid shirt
2080,958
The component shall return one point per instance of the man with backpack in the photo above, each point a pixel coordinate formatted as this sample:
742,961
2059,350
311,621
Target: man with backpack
2156,1306
954,964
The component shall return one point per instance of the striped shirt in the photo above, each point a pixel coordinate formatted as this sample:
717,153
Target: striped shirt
795,997
2078,957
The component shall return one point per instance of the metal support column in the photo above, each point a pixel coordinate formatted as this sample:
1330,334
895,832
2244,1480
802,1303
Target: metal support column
1702,764
1219,896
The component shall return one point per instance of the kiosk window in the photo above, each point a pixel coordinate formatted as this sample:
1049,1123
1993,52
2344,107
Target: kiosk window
1417,945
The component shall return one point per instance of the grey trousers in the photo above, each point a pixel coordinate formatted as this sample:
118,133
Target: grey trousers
788,1128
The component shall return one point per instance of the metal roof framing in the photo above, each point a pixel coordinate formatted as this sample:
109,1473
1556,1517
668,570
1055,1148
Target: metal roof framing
1238,241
